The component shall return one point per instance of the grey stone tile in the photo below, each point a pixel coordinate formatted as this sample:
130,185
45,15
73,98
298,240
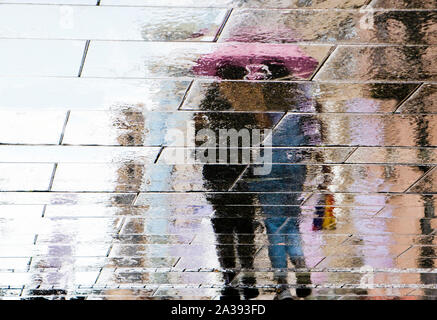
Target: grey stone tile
21,211
418,211
47,250
188,278
109,23
90,94
204,60
65,2
423,101
374,200
133,128
25,176
380,63
60,58
355,130
335,178
77,154
404,4
394,155
242,3
172,226
427,185
14,264
295,97
156,251
330,26
279,155
135,178
31,127
190,292
233,198
142,262
58,198
108,210
49,278
56,231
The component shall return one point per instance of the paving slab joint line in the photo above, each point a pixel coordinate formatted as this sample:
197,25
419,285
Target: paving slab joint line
328,56
186,94
350,154
67,117
159,154
134,200
306,198
404,251
427,173
315,266
52,178
400,104
379,211
82,63
220,30
364,6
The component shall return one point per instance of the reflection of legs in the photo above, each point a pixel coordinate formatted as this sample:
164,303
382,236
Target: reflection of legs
223,229
294,249
278,255
277,249
285,240
246,250
282,225
225,250
245,234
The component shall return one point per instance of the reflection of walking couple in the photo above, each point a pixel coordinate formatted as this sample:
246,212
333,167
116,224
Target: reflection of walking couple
235,226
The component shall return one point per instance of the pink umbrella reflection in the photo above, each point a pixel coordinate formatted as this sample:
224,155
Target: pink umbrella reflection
256,61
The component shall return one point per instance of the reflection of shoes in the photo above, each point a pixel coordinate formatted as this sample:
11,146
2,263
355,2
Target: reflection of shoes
283,294
303,279
303,292
230,293
250,293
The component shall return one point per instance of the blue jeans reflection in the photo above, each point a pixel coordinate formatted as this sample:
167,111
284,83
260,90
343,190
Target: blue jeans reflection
281,210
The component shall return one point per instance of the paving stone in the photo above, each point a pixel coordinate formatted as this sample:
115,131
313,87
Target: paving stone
78,154
135,128
135,178
65,2
380,63
403,4
60,58
242,3
295,97
366,179
427,184
423,101
330,26
109,23
355,130
31,127
201,60
90,94
394,155
22,177
59,198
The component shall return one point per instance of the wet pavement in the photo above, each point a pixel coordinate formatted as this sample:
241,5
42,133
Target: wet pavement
110,187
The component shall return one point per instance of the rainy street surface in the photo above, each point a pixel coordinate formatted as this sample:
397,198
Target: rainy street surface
218,149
